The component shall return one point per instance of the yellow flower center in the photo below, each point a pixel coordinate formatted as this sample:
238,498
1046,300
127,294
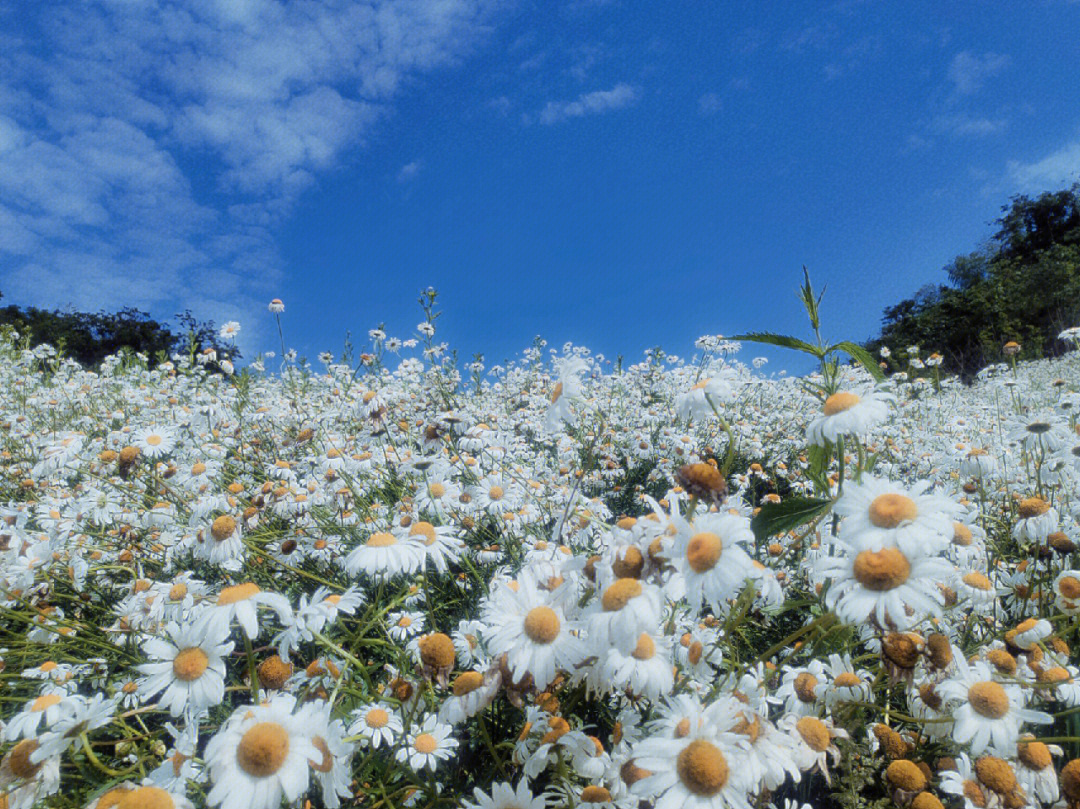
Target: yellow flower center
44,702
996,774
814,733
381,540
645,648
1069,586
595,794
153,440
189,664
702,768
846,679
146,798
425,743
238,592
805,686
19,759
881,570
977,581
542,625
377,718
437,651
989,699
263,749
839,402
467,682
223,528
619,594
905,775
703,551
425,530
890,510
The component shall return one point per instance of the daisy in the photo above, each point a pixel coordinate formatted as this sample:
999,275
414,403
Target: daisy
881,585
1035,769
712,565
988,714
882,514
440,543
49,708
427,745
504,796
35,777
802,689
331,767
848,413
644,670
696,771
384,555
379,724
962,782
811,741
472,691
531,628
240,602
220,542
567,388
1067,592
628,607
260,755
191,671
155,442
694,403
1038,519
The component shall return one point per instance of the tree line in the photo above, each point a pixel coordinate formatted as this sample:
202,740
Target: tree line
1022,286
90,337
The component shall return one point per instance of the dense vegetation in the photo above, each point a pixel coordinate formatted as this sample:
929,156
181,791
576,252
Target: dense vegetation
90,337
1022,286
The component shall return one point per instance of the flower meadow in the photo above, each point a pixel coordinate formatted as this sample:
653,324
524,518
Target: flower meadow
556,583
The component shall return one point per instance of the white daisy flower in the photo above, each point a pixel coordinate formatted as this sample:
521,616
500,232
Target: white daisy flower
427,745
191,670
240,601
260,755
987,713
849,413
379,724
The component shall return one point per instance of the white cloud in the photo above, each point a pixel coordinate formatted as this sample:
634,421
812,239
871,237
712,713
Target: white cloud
150,148
595,103
409,171
969,126
710,104
968,71
1058,169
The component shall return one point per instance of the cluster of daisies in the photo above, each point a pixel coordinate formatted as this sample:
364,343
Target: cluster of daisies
554,583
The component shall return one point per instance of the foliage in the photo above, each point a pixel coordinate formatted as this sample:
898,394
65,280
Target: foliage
1023,286
90,337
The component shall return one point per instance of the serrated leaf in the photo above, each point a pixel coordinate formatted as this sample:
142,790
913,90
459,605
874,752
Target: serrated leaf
782,340
863,357
776,518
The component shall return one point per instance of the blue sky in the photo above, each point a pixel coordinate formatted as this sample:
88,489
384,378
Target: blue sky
615,174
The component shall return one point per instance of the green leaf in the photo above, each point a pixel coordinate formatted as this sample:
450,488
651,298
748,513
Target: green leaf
781,340
863,357
776,518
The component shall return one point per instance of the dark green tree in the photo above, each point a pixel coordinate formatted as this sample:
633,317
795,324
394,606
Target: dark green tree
1023,285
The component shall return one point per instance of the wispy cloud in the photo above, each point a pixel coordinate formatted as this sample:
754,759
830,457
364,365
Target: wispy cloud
969,126
709,104
408,171
1059,168
147,150
618,97
969,71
